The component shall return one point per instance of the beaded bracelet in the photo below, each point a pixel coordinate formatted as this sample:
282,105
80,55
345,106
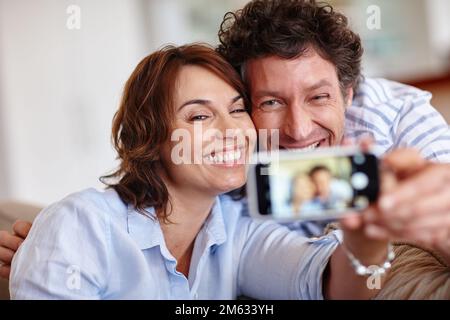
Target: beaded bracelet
362,270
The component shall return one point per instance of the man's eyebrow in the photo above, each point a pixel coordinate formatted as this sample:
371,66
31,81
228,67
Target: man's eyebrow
319,84
271,93
206,102
266,93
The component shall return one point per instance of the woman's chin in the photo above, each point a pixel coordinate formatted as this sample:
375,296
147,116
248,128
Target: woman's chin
223,181
227,186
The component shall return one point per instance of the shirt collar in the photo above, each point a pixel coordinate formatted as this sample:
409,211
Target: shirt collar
214,225
146,231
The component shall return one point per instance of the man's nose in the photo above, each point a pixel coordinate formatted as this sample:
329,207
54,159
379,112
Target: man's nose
298,123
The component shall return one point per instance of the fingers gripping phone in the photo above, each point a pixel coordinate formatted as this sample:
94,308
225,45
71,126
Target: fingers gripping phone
315,185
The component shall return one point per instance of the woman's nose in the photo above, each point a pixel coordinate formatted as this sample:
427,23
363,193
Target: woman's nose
228,124
230,130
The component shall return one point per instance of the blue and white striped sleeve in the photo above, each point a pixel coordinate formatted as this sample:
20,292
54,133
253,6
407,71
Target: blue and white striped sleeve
422,127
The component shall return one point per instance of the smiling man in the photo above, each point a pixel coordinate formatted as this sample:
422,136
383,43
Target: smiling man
302,66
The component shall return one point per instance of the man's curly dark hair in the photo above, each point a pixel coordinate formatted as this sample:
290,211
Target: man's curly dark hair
286,28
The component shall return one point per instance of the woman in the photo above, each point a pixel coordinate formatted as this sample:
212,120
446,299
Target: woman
161,230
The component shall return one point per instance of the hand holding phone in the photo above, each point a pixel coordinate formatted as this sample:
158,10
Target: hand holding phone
316,185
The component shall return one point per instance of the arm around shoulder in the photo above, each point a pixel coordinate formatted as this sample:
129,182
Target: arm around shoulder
65,254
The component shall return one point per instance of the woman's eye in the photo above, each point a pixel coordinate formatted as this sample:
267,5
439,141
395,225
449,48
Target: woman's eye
199,118
239,110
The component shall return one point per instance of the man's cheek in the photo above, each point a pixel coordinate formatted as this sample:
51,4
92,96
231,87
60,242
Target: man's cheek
333,122
263,121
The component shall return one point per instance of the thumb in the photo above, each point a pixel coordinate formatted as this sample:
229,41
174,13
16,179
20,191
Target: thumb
404,162
353,221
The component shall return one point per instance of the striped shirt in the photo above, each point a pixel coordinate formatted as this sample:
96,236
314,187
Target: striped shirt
397,115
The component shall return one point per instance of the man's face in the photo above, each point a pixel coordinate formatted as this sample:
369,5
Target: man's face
322,182
300,97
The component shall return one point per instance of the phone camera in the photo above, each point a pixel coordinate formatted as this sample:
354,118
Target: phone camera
361,202
359,181
359,159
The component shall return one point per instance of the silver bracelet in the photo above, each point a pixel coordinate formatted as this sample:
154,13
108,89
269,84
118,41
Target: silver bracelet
362,270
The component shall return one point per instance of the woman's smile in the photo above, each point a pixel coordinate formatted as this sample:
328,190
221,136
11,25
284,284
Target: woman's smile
230,157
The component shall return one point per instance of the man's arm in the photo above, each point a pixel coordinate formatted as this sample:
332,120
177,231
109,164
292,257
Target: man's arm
415,208
341,280
422,127
9,244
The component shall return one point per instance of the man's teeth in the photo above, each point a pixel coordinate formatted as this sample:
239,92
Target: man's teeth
310,147
227,157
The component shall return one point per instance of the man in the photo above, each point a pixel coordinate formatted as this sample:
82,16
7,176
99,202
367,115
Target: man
331,193
301,64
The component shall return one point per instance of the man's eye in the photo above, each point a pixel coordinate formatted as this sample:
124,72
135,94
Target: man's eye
321,97
270,103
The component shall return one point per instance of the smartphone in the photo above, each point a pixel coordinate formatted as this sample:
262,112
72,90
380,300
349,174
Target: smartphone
312,185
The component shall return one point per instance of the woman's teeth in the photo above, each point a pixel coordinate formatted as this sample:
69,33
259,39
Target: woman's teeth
227,157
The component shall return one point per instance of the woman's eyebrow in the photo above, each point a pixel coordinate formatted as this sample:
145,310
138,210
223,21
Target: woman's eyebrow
195,101
206,102
236,99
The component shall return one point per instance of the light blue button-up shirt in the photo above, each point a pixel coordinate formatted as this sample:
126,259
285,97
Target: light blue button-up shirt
92,246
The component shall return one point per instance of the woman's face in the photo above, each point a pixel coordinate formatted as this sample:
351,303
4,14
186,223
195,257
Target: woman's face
212,135
304,189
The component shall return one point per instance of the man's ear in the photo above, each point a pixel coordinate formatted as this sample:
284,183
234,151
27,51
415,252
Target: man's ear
349,97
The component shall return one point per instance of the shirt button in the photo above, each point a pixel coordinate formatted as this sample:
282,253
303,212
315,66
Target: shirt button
196,296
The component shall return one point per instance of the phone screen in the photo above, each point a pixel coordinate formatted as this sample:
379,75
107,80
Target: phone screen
317,188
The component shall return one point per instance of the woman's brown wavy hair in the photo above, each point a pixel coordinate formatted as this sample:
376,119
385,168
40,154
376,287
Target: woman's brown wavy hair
143,122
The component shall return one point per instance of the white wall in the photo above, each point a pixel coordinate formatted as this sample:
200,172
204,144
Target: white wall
4,179
185,21
439,24
60,89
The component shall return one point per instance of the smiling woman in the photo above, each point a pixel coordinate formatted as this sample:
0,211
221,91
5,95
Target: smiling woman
163,95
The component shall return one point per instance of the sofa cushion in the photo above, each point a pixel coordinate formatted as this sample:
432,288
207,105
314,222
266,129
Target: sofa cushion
416,274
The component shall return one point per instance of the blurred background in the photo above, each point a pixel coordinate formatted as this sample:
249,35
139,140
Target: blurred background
60,85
